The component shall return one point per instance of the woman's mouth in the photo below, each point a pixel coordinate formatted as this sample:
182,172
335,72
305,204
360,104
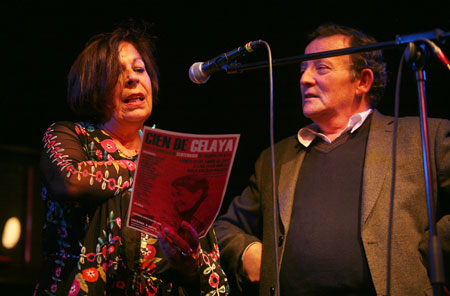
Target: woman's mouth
134,100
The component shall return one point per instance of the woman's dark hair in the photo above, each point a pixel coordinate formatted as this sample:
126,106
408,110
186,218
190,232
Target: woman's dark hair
94,74
364,60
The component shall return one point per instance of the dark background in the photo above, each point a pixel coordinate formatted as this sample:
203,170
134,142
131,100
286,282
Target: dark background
40,43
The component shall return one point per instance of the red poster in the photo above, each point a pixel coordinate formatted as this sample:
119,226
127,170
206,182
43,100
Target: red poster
180,177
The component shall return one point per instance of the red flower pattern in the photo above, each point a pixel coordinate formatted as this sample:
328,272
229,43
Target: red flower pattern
130,165
98,152
150,252
90,274
111,249
58,271
109,145
75,288
90,257
111,184
214,280
99,176
120,284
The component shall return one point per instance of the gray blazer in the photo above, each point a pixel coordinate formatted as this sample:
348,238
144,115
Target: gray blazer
249,217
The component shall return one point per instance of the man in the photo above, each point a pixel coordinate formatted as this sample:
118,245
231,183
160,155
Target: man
337,235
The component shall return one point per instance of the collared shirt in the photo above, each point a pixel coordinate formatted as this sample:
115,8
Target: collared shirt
307,134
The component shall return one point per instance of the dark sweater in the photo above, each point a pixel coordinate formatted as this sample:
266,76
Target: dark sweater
324,253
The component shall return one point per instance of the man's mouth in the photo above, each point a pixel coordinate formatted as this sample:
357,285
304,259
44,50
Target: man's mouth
307,96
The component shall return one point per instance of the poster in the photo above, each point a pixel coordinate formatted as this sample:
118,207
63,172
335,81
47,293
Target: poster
180,177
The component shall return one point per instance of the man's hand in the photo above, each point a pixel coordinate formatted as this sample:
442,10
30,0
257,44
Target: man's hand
251,262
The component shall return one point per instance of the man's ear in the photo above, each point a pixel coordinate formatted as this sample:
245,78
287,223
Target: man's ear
365,82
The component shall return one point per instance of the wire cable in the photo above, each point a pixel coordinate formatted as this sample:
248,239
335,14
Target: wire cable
274,187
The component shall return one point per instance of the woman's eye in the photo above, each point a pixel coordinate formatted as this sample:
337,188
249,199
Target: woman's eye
139,70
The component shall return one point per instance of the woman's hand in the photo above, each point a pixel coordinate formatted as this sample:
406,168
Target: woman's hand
182,248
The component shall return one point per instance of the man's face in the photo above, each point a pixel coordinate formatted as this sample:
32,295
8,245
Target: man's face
327,85
184,199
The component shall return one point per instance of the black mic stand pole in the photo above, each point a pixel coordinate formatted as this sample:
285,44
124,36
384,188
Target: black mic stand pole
436,269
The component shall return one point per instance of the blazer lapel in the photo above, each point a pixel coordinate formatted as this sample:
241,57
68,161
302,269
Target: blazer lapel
286,185
377,161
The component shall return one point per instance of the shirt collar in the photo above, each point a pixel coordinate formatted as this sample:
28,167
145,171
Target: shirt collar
307,134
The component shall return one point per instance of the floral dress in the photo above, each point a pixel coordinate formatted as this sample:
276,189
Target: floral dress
87,248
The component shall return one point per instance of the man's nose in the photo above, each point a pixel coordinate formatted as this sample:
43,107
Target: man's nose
307,77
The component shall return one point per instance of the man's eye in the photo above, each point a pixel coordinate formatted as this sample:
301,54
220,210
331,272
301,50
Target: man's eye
322,68
303,69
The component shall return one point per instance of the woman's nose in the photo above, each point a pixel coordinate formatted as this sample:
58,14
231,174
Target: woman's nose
132,79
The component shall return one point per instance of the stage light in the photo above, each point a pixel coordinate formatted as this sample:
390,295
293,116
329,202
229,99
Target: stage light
11,233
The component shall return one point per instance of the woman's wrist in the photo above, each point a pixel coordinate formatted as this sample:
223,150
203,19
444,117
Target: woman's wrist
192,272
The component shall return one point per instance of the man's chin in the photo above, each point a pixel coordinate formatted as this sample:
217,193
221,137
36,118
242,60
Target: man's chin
311,112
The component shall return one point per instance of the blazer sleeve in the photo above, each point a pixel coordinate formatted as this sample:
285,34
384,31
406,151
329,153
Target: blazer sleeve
241,225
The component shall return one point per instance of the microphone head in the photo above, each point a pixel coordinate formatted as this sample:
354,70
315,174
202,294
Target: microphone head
197,75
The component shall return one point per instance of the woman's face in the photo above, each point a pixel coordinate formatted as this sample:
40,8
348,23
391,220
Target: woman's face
133,92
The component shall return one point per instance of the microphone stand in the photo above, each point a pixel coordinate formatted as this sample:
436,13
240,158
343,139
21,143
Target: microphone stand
436,268
437,277
436,34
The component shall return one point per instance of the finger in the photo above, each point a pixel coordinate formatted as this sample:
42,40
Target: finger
191,234
166,245
177,241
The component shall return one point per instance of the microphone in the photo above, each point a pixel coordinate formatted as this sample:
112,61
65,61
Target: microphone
439,54
200,72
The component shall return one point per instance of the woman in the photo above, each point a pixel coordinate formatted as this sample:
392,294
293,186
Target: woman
87,170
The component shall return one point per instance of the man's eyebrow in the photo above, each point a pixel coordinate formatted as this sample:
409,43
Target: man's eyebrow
313,61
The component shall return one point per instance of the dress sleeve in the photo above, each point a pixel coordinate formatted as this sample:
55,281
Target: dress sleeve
213,280
69,171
